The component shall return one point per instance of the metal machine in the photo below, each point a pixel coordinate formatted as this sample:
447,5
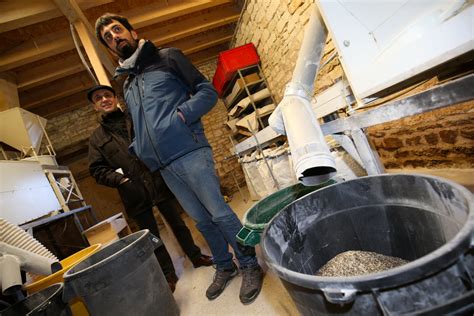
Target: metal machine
33,184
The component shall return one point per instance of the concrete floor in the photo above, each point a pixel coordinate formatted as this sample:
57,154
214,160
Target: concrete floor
192,284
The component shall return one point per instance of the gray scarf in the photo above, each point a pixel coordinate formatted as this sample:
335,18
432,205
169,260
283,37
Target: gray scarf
130,61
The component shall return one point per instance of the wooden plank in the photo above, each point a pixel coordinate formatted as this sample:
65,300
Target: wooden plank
160,12
201,47
55,90
207,55
102,234
21,13
184,28
194,44
36,49
62,105
61,41
106,233
36,76
48,112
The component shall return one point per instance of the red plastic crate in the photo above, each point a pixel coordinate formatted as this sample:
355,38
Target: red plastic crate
230,61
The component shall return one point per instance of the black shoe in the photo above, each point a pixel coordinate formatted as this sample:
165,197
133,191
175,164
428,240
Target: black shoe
202,261
252,280
221,279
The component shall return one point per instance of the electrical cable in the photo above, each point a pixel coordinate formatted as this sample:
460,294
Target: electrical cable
79,52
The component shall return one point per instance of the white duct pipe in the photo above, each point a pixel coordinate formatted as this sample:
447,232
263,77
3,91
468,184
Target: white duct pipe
20,251
294,116
14,259
29,261
10,276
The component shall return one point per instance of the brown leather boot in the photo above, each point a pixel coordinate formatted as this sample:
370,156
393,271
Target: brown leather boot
202,261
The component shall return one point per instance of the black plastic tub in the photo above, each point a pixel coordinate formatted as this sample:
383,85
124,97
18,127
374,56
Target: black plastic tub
426,220
47,302
123,278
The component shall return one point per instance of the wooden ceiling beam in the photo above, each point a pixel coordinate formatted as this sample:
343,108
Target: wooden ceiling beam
201,23
203,58
208,54
193,44
21,13
49,113
36,76
55,90
71,10
62,106
160,12
204,46
36,49
61,41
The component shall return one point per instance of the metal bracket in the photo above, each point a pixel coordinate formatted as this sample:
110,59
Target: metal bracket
370,158
348,145
450,93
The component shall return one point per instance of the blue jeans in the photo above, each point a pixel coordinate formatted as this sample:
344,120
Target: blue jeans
193,180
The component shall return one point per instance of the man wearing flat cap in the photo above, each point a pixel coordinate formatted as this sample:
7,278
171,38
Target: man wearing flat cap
111,164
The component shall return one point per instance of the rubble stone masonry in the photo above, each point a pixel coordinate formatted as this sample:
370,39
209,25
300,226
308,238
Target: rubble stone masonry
71,128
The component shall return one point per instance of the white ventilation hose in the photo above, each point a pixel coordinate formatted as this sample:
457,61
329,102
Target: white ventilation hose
294,116
20,251
15,236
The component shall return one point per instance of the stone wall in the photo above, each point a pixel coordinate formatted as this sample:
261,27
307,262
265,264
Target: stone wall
442,138
438,139
72,128
276,28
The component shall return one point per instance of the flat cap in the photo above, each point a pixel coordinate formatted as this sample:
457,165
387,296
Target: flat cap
91,91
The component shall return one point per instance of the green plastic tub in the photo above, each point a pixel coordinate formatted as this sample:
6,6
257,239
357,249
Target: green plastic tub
257,217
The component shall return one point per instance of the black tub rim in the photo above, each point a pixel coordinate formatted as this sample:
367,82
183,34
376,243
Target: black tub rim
422,267
259,227
55,290
69,276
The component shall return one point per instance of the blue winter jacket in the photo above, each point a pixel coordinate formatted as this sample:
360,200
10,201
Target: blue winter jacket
161,82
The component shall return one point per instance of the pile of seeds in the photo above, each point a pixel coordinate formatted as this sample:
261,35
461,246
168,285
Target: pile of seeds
355,262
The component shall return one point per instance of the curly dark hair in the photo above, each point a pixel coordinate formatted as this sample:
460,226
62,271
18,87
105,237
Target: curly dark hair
107,19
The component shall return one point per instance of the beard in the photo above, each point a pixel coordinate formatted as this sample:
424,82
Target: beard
127,49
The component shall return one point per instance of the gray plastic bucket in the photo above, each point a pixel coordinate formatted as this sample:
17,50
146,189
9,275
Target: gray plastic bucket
426,220
47,302
123,278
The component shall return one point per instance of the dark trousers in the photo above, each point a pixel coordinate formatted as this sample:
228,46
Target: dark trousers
146,220
171,210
